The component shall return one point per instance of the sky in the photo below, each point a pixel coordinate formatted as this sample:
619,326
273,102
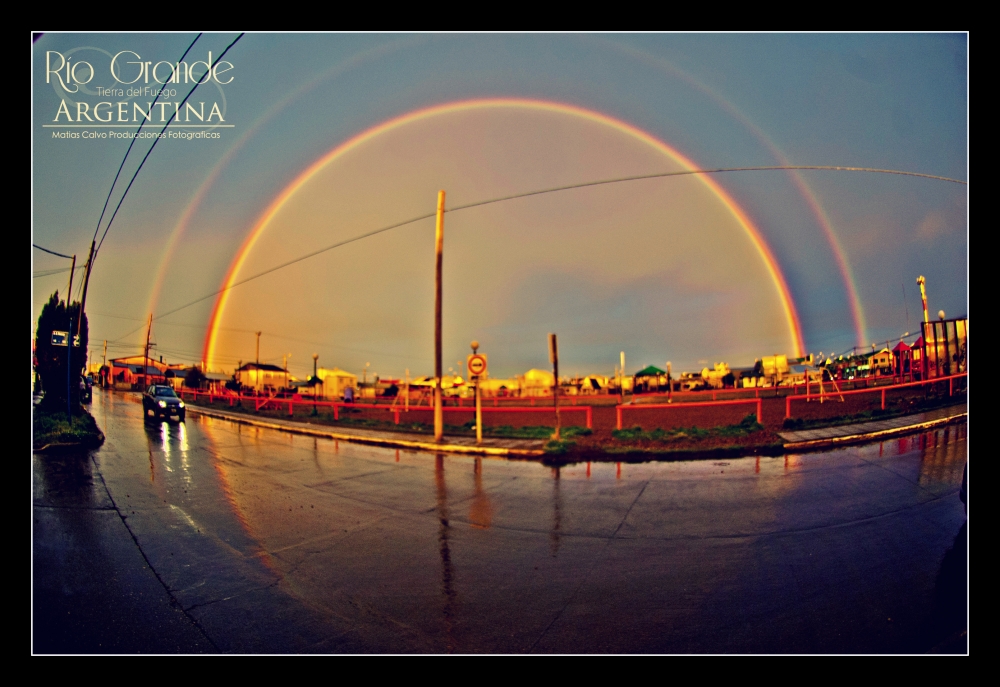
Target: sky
319,138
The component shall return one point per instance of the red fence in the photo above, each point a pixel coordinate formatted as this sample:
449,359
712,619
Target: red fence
263,402
876,390
674,406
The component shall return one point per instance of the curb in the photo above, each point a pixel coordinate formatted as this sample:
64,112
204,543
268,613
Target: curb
881,434
371,441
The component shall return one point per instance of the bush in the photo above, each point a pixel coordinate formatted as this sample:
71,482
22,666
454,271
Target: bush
53,428
747,425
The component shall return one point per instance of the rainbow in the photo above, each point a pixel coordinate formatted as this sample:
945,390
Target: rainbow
822,219
788,305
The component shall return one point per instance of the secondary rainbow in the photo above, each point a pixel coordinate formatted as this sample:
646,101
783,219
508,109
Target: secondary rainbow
788,305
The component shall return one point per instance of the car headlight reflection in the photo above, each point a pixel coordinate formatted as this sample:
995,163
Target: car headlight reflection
181,404
163,404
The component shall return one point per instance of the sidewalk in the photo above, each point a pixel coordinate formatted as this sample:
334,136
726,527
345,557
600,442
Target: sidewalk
521,448
866,431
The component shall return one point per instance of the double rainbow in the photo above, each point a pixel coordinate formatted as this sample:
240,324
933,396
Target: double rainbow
760,244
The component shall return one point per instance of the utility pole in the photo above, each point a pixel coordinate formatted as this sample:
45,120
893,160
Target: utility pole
670,385
145,355
69,369
554,359
69,291
621,385
257,360
407,388
438,256
86,283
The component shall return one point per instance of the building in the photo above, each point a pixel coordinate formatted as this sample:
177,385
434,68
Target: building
537,382
262,377
130,372
335,382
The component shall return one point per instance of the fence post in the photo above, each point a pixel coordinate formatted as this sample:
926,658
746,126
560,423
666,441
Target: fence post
336,411
590,417
290,411
760,403
618,413
395,414
788,407
950,380
883,398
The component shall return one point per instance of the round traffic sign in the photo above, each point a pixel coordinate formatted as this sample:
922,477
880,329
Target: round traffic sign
477,364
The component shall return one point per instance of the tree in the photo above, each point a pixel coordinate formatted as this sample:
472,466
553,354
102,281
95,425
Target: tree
194,378
51,361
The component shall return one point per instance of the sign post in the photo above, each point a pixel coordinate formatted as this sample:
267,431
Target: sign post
62,339
476,365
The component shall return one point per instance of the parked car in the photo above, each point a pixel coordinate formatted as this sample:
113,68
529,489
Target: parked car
161,402
86,389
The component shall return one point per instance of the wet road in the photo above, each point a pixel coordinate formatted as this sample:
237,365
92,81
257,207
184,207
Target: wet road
216,537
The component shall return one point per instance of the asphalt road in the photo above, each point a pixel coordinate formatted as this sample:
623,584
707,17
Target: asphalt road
215,537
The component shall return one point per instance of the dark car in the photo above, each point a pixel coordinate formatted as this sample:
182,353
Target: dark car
161,402
86,389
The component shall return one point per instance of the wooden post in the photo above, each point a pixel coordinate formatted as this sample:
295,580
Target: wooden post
554,358
145,354
438,256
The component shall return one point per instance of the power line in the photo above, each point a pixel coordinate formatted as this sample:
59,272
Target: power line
49,273
132,143
155,141
68,257
555,189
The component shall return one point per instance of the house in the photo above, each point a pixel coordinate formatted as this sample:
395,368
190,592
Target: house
335,382
719,376
131,373
882,362
649,378
262,377
537,382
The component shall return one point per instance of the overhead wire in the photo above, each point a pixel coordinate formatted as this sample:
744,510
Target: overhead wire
155,141
554,189
68,257
132,143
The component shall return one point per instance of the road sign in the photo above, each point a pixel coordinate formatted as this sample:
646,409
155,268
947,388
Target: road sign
60,338
476,364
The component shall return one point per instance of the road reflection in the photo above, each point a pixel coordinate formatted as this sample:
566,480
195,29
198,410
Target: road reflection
447,576
480,509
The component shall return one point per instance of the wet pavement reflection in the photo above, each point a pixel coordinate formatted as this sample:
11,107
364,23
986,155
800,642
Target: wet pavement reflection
264,541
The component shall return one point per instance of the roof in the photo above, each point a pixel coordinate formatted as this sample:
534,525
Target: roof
263,367
901,346
650,371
